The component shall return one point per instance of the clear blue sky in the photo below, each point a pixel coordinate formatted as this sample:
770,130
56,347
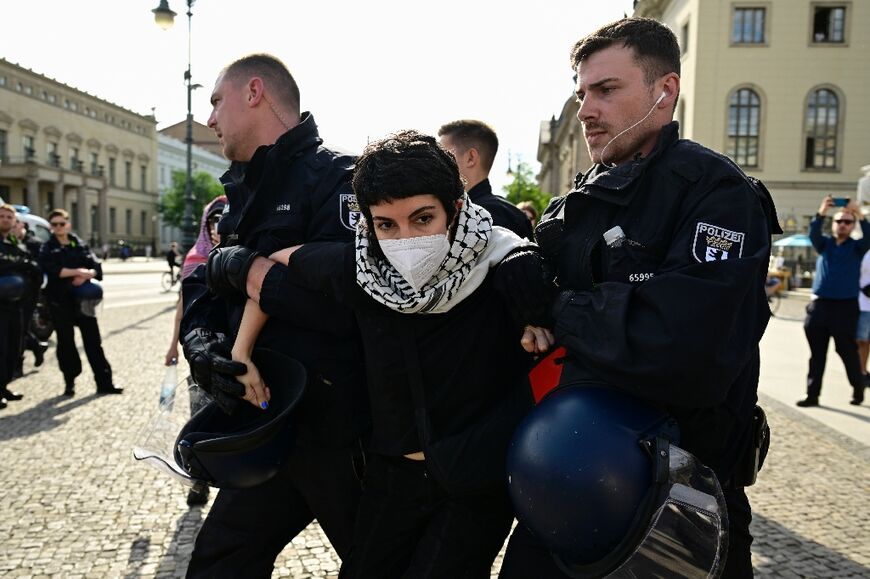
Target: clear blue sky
364,68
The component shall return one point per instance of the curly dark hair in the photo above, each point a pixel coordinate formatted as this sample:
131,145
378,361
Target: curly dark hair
402,165
655,47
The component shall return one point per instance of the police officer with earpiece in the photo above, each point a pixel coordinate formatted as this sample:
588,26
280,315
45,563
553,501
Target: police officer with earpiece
661,253
19,275
283,188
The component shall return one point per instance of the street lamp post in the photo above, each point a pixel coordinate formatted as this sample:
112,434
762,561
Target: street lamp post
165,17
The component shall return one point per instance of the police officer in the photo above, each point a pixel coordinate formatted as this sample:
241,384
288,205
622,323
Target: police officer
284,188
69,264
661,252
474,145
19,275
31,341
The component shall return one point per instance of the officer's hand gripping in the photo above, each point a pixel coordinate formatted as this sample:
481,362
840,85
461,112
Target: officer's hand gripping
226,272
523,282
213,368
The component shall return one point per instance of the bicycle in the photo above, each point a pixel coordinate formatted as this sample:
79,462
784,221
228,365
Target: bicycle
168,280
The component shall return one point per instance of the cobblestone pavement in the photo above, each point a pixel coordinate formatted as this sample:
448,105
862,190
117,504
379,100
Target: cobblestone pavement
75,504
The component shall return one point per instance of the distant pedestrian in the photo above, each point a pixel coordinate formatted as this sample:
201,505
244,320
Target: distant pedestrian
833,313
529,209
70,265
172,255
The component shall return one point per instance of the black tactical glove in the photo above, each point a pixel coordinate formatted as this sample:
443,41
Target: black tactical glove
527,288
226,272
213,368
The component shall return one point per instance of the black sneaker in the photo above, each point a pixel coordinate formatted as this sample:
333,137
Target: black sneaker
808,401
11,396
111,389
39,355
70,388
3,403
198,495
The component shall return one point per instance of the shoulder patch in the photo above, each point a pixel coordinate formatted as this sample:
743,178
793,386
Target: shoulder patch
348,210
714,243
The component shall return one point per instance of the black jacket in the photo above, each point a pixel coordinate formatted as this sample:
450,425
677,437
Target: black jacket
16,259
675,313
293,192
504,213
54,256
453,384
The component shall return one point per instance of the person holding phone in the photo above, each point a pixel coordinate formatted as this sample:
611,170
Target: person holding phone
833,313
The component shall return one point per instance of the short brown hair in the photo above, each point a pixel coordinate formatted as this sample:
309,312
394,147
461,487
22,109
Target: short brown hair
655,47
276,77
58,213
469,133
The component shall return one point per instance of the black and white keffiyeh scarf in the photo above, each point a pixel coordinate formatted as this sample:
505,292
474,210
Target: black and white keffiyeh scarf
476,247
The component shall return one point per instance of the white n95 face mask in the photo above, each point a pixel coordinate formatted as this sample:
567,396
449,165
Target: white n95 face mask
416,259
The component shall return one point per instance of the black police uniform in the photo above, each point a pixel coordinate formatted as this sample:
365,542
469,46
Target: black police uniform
674,312
292,192
504,213
66,314
31,341
14,260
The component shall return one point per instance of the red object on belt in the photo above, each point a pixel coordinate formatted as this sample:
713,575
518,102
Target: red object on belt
545,375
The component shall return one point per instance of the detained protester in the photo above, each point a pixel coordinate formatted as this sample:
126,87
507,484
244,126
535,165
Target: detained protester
437,293
660,251
284,187
19,277
72,298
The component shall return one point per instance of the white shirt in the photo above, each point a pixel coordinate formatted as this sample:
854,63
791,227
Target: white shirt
864,301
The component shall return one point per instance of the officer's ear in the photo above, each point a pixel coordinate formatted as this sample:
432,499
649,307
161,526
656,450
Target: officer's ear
254,91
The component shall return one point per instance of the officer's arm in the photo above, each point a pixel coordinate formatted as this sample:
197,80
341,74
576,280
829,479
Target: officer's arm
682,336
309,291
202,309
864,242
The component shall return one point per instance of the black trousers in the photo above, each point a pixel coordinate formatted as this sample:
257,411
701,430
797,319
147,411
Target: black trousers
409,527
836,319
10,341
527,557
247,529
65,319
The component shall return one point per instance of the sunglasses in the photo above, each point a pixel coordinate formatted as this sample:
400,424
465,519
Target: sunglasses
57,223
841,221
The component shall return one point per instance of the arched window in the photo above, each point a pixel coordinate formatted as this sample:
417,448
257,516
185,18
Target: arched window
822,126
744,112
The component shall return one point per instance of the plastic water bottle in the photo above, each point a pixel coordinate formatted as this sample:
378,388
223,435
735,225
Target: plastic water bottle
170,381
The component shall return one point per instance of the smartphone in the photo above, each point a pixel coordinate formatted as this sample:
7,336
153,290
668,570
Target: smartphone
841,201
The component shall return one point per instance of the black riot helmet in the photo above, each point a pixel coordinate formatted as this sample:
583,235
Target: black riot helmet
12,288
596,476
248,447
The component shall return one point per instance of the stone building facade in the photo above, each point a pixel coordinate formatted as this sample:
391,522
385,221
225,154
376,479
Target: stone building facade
62,147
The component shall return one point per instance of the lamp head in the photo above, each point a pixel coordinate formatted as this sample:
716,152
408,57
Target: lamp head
163,15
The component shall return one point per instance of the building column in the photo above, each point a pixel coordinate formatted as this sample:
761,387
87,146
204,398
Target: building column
103,208
83,214
33,194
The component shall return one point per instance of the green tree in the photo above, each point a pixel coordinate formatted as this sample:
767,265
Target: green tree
205,188
524,188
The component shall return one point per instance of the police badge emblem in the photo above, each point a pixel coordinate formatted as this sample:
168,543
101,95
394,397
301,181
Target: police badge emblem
714,243
348,209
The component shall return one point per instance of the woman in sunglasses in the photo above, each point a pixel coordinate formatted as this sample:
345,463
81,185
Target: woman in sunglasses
70,266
